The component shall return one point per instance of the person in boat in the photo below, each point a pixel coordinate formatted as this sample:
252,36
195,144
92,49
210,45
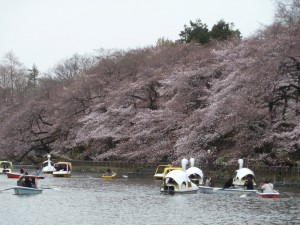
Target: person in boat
33,183
248,185
108,172
20,181
27,182
208,182
22,170
37,172
266,187
229,183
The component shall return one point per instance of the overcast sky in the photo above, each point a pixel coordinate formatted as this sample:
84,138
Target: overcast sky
46,31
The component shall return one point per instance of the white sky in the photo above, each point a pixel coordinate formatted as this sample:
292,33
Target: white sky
46,31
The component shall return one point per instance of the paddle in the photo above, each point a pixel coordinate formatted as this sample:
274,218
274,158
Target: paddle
247,195
285,194
6,189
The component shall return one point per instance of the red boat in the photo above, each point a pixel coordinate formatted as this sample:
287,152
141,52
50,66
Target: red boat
268,195
17,175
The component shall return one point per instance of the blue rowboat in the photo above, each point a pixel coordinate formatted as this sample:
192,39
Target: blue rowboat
26,190
219,190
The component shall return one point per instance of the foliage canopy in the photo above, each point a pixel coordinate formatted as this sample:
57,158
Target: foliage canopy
198,32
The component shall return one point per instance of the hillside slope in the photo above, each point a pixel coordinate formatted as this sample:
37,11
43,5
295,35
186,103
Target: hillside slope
234,99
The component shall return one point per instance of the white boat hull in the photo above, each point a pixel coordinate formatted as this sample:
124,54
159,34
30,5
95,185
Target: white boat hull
219,190
172,191
158,176
48,170
26,191
61,174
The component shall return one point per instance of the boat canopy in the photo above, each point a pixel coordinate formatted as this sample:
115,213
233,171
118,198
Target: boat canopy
194,170
243,172
161,168
6,163
66,166
178,176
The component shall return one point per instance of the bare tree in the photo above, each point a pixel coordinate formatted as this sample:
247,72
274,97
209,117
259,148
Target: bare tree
74,66
13,75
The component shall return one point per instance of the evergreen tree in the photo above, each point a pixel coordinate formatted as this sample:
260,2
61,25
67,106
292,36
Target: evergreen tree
223,31
32,77
197,32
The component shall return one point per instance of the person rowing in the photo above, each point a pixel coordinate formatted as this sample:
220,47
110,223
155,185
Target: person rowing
24,181
266,187
108,172
229,183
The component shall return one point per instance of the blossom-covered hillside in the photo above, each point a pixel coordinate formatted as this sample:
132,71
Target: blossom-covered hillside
233,99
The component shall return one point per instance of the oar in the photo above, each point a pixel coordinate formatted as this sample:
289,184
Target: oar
7,189
247,195
285,194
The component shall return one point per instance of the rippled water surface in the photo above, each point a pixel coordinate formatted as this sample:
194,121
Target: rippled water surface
87,199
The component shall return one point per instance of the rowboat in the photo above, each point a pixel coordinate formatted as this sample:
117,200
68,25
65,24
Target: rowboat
177,181
219,190
26,190
275,194
109,177
48,167
62,169
6,166
17,176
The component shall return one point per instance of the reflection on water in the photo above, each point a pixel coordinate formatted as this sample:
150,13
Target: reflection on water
87,199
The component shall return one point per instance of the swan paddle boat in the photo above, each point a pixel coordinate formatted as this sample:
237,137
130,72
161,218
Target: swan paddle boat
62,169
48,167
17,176
111,176
6,166
242,174
177,181
194,173
26,190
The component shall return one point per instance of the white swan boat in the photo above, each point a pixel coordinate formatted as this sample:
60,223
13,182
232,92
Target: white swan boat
177,181
242,174
194,173
48,167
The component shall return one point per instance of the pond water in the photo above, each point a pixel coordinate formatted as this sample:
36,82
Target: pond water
87,199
